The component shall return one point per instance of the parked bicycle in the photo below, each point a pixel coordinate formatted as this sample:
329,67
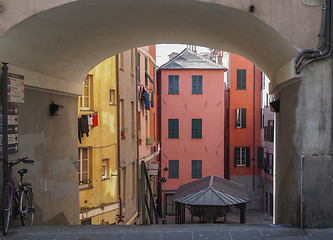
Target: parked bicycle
22,198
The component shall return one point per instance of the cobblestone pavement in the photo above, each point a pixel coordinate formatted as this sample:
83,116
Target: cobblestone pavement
169,232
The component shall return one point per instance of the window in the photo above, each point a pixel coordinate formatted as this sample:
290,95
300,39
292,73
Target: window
262,80
122,115
139,124
173,84
112,97
196,168
260,157
173,168
146,71
241,79
241,118
261,117
138,67
196,128
105,169
242,157
196,84
123,193
173,125
133,180
133,119
121,61
132,62
83,165
227,118
170,205
267,100
86,98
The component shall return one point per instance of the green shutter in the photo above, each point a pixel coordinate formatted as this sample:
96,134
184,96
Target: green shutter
244,79
239,78
248,157
236,155
243,117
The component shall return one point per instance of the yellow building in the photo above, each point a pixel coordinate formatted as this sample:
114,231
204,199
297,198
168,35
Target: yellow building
98,149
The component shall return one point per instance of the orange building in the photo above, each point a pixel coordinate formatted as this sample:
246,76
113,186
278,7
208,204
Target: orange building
243,126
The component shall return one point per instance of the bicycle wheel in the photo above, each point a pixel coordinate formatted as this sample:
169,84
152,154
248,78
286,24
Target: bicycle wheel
6,208
26,208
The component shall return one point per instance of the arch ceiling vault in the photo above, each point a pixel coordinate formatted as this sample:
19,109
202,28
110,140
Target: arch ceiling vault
66,39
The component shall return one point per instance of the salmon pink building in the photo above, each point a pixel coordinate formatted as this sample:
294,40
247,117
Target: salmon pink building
244,125
192,122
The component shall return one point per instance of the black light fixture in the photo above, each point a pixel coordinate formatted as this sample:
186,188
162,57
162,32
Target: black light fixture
166,169
251,9
275,106
55,109
163,180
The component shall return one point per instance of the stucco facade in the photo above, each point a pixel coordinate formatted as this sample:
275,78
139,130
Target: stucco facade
185,106
148,127
128,135
244,127
98,151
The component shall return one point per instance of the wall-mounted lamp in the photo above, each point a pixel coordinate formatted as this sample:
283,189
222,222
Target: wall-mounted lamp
55,109
251,9
275,106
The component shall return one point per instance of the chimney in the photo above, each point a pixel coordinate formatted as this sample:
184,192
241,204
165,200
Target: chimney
172,55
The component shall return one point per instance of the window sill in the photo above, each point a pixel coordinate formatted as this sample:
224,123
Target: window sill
113,104
105,179
85,187
87,110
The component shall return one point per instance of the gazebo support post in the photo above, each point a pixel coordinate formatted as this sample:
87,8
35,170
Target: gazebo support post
242,213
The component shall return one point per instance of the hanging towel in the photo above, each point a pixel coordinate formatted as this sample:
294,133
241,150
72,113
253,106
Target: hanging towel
147,105
90,120
95,119
83,127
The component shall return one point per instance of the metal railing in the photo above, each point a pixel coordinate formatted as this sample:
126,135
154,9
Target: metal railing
151,209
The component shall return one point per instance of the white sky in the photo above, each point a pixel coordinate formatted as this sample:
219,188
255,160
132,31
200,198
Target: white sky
163,51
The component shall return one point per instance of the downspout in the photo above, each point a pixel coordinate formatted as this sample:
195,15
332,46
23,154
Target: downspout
315,54
301,216
137,133
254,125
118,131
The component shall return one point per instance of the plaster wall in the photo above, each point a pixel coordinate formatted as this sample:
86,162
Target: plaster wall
256,195
186,106
304,129
52,142
103,146
128,120
37,40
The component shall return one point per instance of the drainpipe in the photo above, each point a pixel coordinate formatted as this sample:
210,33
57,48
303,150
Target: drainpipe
315,54
301,187
254,125
137,133
4,77
118,128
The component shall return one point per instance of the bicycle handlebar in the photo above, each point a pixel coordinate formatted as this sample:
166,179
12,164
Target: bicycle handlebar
24,160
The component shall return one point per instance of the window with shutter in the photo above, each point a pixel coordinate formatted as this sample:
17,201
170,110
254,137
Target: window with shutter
242,156
173,168
173,127
196,84
260,157
271,139
241,79
241,118
196,168
173,84
196,128
138,68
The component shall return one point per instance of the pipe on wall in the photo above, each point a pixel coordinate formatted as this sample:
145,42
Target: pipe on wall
325,40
